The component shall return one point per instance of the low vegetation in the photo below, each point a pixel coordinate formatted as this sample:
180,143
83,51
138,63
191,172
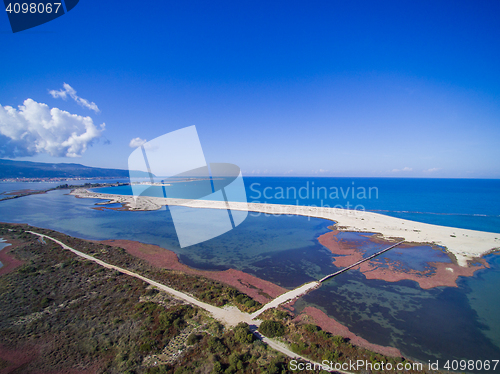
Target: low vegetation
62,312
309,340
74,313
204,289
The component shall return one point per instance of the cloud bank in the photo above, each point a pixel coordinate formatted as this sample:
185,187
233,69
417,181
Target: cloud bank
71,92
35,128
432,170
406,168
136,142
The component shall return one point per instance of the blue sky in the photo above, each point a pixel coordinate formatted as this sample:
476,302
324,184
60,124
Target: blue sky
396,89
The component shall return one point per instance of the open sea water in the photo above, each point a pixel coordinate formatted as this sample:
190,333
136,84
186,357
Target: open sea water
465,203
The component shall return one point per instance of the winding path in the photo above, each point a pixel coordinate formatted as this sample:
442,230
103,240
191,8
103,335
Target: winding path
230,315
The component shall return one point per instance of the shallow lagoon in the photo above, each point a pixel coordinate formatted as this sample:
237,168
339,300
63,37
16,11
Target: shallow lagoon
2,246
442,323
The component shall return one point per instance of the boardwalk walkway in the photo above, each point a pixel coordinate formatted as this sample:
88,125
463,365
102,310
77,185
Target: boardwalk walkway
359,262
287,296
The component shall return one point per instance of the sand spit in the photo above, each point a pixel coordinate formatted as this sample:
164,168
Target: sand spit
465,245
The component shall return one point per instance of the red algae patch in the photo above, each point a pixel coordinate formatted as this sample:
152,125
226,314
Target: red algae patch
92,370
258,289
439,274
103,208
24,359
347,251
16,358
444,274
7,259
321,319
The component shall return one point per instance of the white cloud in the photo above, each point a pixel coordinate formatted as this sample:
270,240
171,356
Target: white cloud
137,142
36,128
320,171
68,90
406,168
432,170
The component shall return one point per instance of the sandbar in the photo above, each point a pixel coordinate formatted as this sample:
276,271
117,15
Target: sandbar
465,245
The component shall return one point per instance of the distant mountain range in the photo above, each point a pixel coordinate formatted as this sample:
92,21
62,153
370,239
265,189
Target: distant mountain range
28,169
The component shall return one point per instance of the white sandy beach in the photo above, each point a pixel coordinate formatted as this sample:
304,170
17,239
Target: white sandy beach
465,245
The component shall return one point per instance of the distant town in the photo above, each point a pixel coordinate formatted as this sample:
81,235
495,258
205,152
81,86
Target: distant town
56,180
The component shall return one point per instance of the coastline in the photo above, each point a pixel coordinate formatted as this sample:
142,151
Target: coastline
315,315
261,290
308,315
464,245
318,317
251,285
7,259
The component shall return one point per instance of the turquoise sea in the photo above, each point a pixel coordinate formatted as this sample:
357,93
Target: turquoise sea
441,323
465,203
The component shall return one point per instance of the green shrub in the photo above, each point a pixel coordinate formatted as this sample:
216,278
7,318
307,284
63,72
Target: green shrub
241,298
279,314
45,302
242,333
338,340
250,303
272,328
217,368
192,339
311,328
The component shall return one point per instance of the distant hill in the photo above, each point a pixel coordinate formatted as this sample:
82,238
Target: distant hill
28,169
